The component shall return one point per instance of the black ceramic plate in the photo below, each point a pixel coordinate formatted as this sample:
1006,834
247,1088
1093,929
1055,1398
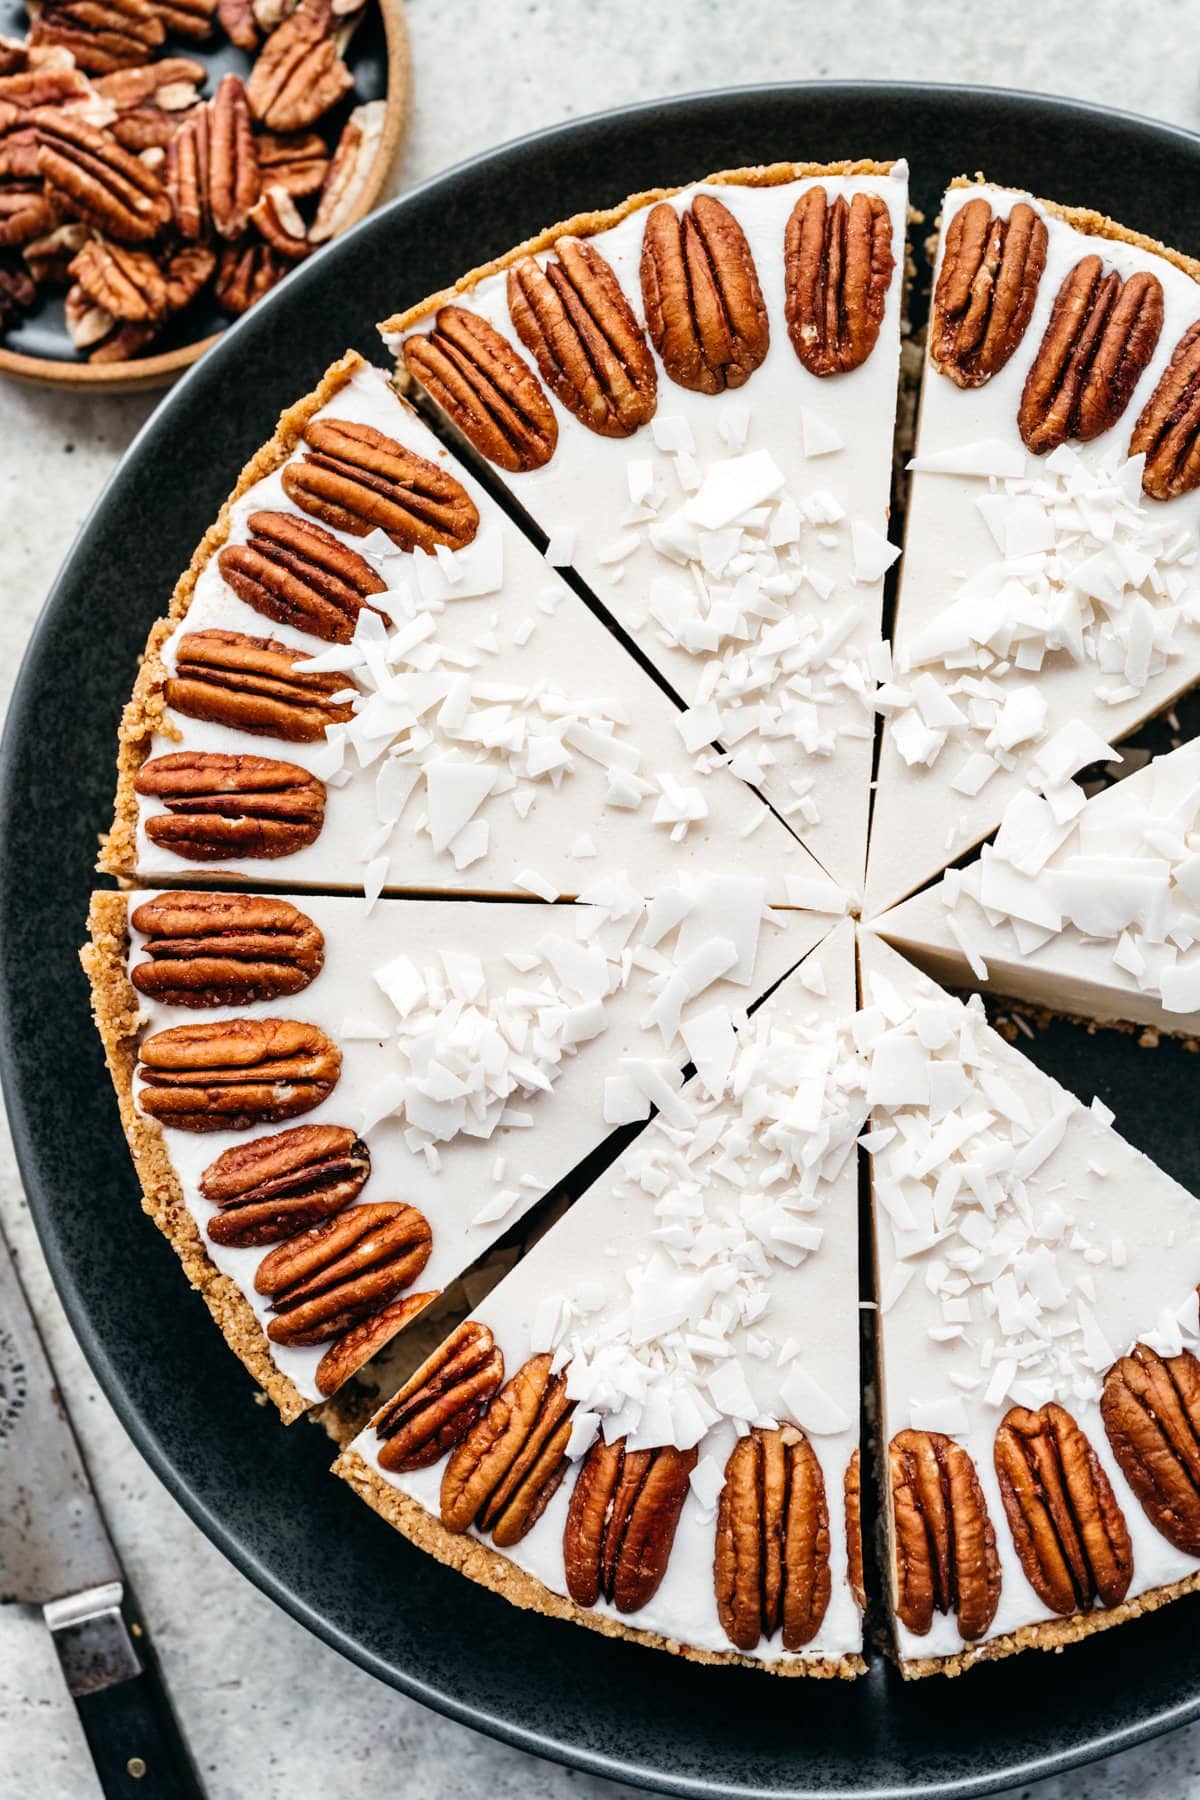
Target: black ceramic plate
262,1493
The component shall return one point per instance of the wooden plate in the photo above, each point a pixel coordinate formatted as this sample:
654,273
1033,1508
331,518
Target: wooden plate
38,350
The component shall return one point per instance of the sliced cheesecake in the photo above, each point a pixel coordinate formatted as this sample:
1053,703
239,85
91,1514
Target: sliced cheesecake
333,1116
651,1425
1039,1387
1050,578
369,679
1094,912
693,397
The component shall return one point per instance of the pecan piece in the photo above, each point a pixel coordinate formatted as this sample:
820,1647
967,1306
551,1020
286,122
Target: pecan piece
102,35
945,1546
270,14
1168,431
366,1339
186,273
1068,1528
1101,335
343,190
486,388
187,18
252,684
277,220
126,282
299,73
245,273
26,214
228,1074
704,307
65,87
440,1401
95,179
771,1560
838,266
221,806
300,574
188,174
336,1274
49,258
503,1474
151,103
17,291
852,1495
297,161
87,323
991,269
1151,1412
207,949
126,341
572,316
19,145
356,479
14,56
233,183
237,21
274,1187
621,1522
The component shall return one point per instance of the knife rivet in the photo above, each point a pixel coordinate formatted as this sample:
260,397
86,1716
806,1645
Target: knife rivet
135,1767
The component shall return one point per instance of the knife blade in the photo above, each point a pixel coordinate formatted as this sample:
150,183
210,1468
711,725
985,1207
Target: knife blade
56,1553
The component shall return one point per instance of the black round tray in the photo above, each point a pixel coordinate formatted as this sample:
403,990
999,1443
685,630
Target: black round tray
262,1493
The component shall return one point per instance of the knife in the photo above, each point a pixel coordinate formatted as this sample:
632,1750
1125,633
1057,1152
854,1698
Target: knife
55,1552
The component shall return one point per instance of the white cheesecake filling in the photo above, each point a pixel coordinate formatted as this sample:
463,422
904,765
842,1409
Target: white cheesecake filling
426,997
709,1282
1036,592
741,537
506,742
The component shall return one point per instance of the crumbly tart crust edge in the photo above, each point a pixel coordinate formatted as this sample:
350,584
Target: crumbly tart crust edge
1050,1634
115,1010
1096,224
589,224
494,1571
144,714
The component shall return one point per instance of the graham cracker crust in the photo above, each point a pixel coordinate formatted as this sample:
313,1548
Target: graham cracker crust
1050,1634
588,224
491,1570
116,1011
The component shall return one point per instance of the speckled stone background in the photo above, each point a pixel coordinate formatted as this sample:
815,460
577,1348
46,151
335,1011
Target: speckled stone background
271,1713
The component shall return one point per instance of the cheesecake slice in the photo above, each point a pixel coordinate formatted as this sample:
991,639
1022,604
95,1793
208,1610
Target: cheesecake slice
1095,914
333,1116
1038,1383
369,679
1050,577
693,397
651,1425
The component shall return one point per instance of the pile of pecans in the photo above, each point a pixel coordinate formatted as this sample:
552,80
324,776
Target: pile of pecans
120,182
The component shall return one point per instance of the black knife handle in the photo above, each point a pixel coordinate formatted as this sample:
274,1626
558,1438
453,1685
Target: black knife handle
117,1685
135,1742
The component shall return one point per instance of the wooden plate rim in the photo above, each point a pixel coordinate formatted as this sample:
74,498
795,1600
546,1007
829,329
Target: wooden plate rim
147,372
